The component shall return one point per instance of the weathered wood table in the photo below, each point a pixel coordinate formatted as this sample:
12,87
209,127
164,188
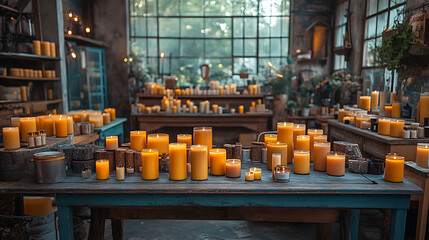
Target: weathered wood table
115,128
372,143
316,190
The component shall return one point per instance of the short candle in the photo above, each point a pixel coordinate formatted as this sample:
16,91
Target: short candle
301,162
185,138
321,150
150,164
27,125
312,133
11,138
112,142
298,129
335,164
383,127
102,169
270,138
158,141
396,127
422,156
249,176
233,168
394,168
302,142
217,161
257,172
137,140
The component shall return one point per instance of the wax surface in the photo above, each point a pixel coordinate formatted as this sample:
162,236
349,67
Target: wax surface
102,169
27,125
422,156
302,142
11,138
383,127
257,172
396,110
178,160
61,127
270,138
203,136
335,164
150,164
396,128
365,103
298,129
233,168
185,138
394,168
424,107
112,142
320,150
158,141
199,167
137,140
312,133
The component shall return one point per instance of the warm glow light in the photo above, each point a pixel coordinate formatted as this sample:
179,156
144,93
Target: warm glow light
162,54
298,51
73,54
270,64
279,75
87,30
220,65
125,59
176,78
130,59
69,32
70,14
75,19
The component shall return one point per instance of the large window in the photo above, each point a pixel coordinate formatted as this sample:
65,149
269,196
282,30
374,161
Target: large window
380,16
340,62
229,35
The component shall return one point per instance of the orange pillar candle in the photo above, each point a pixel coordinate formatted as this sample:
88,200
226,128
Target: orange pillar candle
270,138
301,162
240,109
422,156
37,47
61,127
388,111
48,125
52,50
106,118
424,107
178,160
217,161
341,114
312,133
150,164
321,150
233,168
374,100
360,118
394,168
11,138
257,172
298,129
112,112
185,138
70,122
249,176
199,167
320,138
396,127
158,141
336,164
203,136
23,90
46,49
137,140
383,127
365,102
27,125
276,147
102,169
96,119
396,110
112,142
302,142
285,135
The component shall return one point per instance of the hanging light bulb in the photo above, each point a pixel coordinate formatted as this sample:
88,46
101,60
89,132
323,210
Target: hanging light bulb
87,30
162,54
76,19
130,59
70,14
73,54
69,32
125,59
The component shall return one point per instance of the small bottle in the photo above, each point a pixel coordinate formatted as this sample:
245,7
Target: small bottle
43,134
38,139
86,172
282,174
31,142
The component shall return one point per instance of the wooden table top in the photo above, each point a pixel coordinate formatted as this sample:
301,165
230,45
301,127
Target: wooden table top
314,183
203,115
86,139
373,135
112,124
415,168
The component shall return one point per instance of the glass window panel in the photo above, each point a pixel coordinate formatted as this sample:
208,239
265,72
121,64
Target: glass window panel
285,27
275,27
286,7
340,62
285,47
138,7
152,47
151,7
218,7
192,47
169,27
265,8
152,64
264,26
251,7
192,27
264,47
138,46
138,26
218,27
370,29
250,47
339,36
340,18
152,27
191,8
368,53
275,47
276,7
381,23
219,68
239,63
168,7
218,48
397,15
371,7
238,47
238,27
395,2
382,5
169,46
250,27
238,7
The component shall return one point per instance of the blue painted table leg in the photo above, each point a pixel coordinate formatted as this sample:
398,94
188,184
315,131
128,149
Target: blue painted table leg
354,223
65,222
397,224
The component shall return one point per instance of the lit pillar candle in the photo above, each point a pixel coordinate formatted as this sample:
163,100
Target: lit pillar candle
270,138
96,119
285,135
185,138
302,142
102,169
70,122
112,112
335,164
396,110
61,127
249,176
137,140
203,136
150,164
374,100
396,127
217,161
388,111
301,162
359,118
321,149
106,118
37,49
158,141
276,147
365,102
241,109
383,127
233,168
27,125
199,167
48,125
312,133
424,107
11,138
422,156
257,172
112,142
178,160
320,138
394,168
298,129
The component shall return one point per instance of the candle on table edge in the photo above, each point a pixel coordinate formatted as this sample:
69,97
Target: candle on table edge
383,127
335,164
150,164
422,155
61,127
249,176
257,172
217,161
276,147
321,149
233,168
102,169
396,127
285,135
112,142
199,168
365,103
178,159
11,138
27,125
394,168
301,162
137,140
106,118
120,173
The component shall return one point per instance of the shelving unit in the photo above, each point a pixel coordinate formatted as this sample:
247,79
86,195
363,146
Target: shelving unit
29,79
27,56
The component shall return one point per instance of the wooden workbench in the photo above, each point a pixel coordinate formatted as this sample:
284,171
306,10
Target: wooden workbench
130,198
372,143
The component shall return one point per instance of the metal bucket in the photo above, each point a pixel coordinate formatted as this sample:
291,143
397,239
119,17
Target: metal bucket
49,167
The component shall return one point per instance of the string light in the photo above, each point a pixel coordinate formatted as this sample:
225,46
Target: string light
162,54
69,32
87,30
73,54
125,59
220,65
130,59
298,51
279,75
70,14
270,64
75,19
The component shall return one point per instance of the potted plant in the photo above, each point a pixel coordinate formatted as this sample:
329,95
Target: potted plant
244,71
327,90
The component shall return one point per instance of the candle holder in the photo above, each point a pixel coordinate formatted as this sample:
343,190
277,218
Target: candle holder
249,176
394,168
257,173
282,174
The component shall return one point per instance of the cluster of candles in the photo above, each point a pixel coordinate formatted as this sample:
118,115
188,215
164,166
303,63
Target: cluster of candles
214,89
98,118
31,73
44,48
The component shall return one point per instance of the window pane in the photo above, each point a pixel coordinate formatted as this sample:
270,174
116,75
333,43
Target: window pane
265,8
218,7
370,28
191,7
192,27
168,7
275,47
238,7
382,5
240,63
275,26
276,7
238,27
285,27
340,18
371,7
250,47
251,7
137,7
192,47
238,47
397,15
340,62
264,27
219,68
218,27
169,46
394,2
339,36
250,27
285,47
264,47
381,23
138,26
286,7
169,27
218,48
153,47
152,64
151,7
368,53
152,27
138,46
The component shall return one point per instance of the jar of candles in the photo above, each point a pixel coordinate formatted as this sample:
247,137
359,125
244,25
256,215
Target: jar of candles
282,173
394,168
31,141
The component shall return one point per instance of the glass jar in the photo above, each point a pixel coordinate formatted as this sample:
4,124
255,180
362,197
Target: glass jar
282,173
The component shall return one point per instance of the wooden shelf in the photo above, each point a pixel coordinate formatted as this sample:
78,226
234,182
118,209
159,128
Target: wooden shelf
4,104
85,41
241,96
28,79
27,56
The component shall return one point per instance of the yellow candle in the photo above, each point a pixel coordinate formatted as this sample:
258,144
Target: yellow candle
77,117
257,172
240,109
199,162
174,109
302,142
360,118
276,147
383,127
158,141
102,169
70,125
106,118
285,135
61,127
301,162
23,93
137,140
27,125
249,176
112,112
233,168
320,138
270,138
214,107
178,160
424,107
185,138
396,110
422,156
365,102
394,168
120,173
335,164
388,111
374,100
36,47
11,138
396,127
217,161
150,164
52,49
97,120
321,150
203,136
341,114
112,142
298,129
47,123
312,133
46,49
